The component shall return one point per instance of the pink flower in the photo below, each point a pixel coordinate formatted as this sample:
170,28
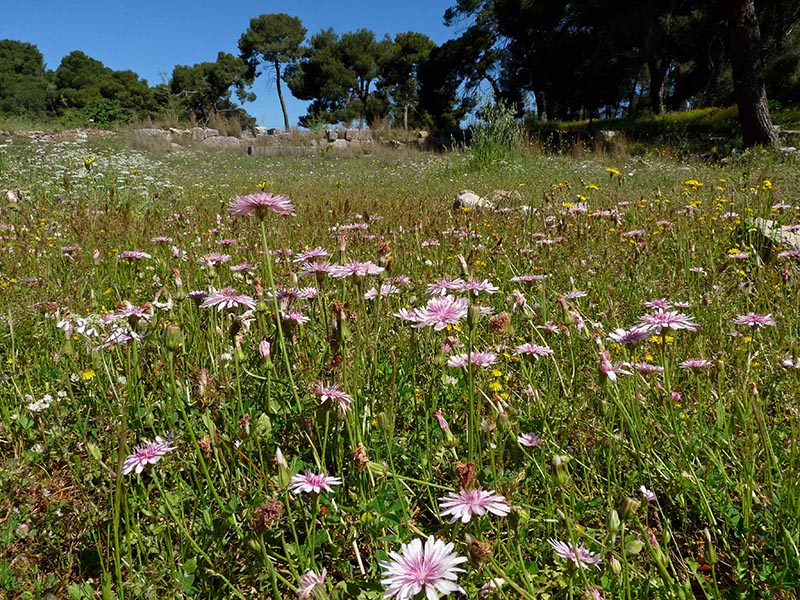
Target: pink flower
465,504
311,255
649,495
355,269
146,453
313,482
444,285
579,555
227,299
529,440
533,351
660,320
432,567
260,204
440,312
476,359
309,581
133,255
474,287
755,320
629,337
696,364
333,394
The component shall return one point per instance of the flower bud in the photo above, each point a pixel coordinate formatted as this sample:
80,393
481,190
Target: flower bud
473,316
616,566
613,522
284,474
628,507
711,553
173,337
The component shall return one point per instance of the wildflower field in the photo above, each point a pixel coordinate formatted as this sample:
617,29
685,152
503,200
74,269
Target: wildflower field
226,376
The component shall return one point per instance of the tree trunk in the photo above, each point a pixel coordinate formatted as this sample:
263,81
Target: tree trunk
541,105
658,72
280,95
748,79
405,117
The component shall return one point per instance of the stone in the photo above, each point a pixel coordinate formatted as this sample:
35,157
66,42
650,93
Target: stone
151,132
786,238
471,200
505,197
12,196
262,131
351,134
221,142
200,134
331,135
340,144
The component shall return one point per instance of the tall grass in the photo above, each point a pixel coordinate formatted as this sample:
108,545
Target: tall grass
496,136
215,518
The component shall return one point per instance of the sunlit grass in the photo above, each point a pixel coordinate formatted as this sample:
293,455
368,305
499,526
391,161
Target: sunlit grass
109,245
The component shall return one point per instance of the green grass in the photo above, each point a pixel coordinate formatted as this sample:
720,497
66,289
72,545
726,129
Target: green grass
213,518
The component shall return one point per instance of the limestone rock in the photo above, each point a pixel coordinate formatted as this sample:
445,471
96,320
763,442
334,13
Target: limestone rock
200,134
221,142
471,200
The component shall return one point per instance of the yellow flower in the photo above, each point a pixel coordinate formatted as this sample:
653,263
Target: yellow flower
87,374
614,172
496,373
591,186
693,183
495,386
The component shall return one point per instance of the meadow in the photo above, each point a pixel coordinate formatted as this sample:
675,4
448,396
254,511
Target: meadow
227,376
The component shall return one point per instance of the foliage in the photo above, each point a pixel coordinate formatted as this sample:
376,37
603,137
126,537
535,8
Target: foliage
23,85
496,137
275,40
206,88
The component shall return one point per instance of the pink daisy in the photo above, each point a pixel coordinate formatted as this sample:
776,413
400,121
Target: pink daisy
649,495
476,359
533,351
529,440
309,582
696,364
474,287
755,320
260,204
309,482
146,453
133,255
465,504
444,285
441,312
355,269
579,555
227,299
311,255
333,394
660,320
432,567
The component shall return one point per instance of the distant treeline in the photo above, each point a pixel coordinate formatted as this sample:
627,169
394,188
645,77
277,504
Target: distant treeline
546,59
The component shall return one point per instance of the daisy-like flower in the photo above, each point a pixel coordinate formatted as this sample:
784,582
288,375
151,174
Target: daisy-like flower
439,313
260,204
755,320
432,567
227,299
355,269
529,440
574,295
214,258
311,255
465,504
659,303
660,320
647,368
533,351
528,278
147,453
696,364
386,289
649,495
491,586
579,555
475,287
476,359
309,482
444,285
309,582
789,363
133,255
333,394
319,269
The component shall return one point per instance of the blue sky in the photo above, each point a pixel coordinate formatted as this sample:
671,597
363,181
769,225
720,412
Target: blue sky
151,37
